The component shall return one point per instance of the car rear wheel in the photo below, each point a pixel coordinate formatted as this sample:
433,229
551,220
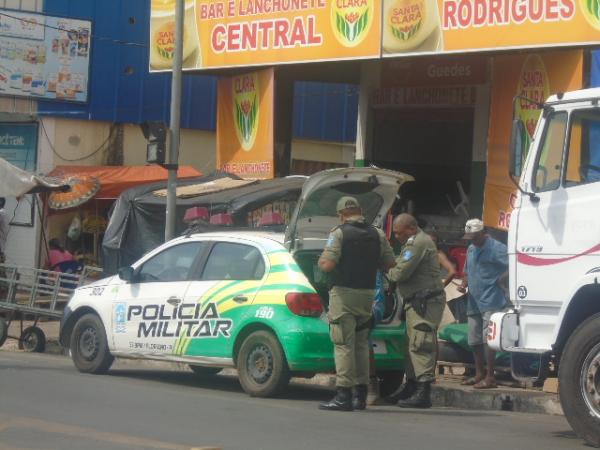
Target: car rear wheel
261,365
89,346
204,371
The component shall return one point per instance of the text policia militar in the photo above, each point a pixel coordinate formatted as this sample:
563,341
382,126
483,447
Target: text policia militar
187,319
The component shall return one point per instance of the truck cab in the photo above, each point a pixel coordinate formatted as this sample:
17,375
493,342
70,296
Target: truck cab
554,252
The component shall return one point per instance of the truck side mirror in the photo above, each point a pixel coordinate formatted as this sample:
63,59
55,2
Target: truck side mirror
518,142
126,273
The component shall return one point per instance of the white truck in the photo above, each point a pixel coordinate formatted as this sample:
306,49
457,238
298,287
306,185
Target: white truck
554,254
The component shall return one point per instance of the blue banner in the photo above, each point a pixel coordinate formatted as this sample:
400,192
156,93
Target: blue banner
18,144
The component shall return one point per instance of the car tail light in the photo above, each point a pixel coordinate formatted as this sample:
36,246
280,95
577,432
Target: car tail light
303,304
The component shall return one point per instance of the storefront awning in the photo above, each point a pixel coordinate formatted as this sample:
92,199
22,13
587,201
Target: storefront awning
116,179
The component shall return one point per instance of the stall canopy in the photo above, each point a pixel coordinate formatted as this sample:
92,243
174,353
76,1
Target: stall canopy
116,179
15,182
137,222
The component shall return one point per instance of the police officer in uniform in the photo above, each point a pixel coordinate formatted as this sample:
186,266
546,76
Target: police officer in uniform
354,252
419,283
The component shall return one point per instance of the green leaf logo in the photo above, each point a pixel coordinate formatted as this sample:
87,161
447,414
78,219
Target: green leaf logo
352,25
593,7
406,33
246,113
166,53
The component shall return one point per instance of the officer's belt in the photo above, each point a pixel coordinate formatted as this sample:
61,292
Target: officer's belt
423,295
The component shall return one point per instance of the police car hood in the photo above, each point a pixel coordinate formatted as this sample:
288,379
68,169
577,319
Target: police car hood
315,214
102,282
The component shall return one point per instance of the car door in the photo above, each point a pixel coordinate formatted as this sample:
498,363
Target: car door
228,283
147,309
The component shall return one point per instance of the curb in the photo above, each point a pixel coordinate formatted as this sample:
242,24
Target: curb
443,394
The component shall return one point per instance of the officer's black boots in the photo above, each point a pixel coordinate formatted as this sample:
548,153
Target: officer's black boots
341,402
359,401
420,399
405,391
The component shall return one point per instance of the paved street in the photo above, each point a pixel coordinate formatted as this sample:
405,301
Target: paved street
46,404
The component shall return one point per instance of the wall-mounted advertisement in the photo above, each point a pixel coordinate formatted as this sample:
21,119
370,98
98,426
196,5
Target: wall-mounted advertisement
245,124
44,57
234,33
534,76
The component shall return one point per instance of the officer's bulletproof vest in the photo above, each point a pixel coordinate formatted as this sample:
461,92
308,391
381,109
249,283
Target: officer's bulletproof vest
357,267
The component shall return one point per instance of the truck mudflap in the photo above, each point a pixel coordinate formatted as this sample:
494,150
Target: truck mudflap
503,331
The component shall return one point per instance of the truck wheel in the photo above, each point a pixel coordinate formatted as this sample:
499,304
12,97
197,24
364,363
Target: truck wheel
579,380
3,331
89,346
261,365
33,340
204,371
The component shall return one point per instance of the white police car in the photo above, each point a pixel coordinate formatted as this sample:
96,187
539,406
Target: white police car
248,300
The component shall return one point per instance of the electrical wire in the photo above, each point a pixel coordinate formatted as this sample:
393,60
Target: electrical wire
94,152
93,36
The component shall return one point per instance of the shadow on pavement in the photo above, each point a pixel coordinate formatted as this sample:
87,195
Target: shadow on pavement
223,383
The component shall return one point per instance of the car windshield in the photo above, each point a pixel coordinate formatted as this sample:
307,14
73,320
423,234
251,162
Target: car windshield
324,201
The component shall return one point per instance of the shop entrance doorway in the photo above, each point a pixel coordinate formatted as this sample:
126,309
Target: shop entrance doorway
435,146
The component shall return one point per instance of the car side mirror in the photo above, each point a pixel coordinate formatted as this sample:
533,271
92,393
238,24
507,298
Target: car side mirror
518,150
126,273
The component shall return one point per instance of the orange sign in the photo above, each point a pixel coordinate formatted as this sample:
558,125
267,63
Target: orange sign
534,76
433,26
233,33
245,124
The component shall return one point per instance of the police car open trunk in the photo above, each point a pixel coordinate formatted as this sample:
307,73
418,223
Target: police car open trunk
316,215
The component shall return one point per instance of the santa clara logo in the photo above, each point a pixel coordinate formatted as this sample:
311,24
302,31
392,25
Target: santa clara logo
406,18
245,109
591,11
351,20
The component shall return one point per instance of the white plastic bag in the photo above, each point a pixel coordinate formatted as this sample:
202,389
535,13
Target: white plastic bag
74,229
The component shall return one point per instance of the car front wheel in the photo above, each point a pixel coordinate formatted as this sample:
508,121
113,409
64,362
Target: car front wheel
261,365
89,346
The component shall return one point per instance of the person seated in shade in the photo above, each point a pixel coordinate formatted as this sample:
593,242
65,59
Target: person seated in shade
57,254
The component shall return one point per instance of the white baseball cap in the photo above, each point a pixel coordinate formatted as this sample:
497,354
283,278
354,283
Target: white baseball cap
473,226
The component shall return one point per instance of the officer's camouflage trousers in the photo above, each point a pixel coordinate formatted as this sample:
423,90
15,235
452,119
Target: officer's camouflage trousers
349,316
422,339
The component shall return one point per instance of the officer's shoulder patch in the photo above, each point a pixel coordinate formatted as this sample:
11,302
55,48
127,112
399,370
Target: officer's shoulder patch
407,254
411,240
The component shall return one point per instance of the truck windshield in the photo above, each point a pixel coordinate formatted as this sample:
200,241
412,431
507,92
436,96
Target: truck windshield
549,163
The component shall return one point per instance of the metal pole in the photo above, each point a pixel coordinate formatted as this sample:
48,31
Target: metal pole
175,122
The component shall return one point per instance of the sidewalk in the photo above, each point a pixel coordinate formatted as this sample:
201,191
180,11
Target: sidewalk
446,392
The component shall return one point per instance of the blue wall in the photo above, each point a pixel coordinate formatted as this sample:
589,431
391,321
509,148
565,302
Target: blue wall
595,78
122,90
117,94
325,111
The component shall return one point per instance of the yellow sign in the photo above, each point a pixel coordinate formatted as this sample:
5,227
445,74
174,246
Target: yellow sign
233,33
245,124
433,26
534,76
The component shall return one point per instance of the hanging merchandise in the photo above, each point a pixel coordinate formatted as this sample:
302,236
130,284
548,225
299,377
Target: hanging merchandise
74,229
94,224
